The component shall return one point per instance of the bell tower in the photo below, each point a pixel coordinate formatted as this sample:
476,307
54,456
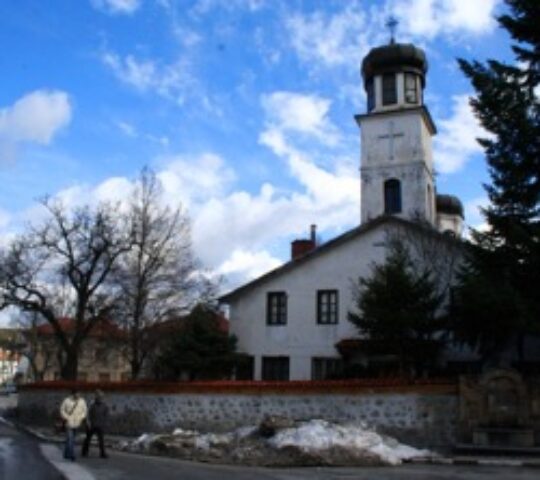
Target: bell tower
396,171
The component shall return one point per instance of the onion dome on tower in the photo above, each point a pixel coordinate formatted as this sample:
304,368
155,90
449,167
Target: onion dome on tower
394,76
450,214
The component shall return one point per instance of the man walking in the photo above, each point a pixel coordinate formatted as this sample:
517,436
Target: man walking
97,421
73,412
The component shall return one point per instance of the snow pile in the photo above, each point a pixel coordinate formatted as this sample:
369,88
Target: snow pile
144,441
213,440
184,433
205,441
315,442
319,435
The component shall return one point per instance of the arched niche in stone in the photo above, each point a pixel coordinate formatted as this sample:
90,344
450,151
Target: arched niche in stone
504,399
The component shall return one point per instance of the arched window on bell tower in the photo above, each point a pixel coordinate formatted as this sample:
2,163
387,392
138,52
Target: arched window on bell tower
392,196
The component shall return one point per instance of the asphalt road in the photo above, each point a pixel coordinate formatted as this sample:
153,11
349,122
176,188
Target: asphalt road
123,466
21,458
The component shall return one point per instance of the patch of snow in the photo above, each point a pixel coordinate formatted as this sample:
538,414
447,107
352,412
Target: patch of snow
318,435
209,440
244,432
144,440
184,433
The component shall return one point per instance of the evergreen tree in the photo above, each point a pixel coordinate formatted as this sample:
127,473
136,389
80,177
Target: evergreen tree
397,308
197,350
505,262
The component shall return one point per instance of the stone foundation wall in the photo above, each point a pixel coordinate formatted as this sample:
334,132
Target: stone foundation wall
426,419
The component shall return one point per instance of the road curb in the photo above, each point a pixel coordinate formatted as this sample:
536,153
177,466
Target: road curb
491,462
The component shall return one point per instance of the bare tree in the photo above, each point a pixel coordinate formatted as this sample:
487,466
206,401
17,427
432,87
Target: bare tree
439,254
40,353
62,268
158,277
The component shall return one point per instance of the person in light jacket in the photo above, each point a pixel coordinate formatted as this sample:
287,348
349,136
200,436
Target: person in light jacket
73,411
97,422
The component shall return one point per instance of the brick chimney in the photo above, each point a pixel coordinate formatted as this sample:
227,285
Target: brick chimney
301,247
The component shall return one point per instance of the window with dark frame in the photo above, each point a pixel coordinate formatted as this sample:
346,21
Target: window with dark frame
389,91
411,93
275,368
370,91
327,307
245,368
324,368
276,308
392,196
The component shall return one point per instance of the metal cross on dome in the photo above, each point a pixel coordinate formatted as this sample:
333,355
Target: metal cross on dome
392,24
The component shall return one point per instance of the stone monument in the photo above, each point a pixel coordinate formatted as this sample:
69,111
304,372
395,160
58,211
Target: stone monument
499,410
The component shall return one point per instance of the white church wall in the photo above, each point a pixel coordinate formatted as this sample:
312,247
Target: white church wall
452,223
302,338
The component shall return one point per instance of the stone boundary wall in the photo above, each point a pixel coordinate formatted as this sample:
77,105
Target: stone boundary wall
421,415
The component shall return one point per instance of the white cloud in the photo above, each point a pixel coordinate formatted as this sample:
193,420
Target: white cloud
456,143
234,230
127,129
202,7
248,264
428,18
330,191
139,74
163,140
116,6
193,180
114,189
342,38
169,81
131,131
35,118
307,114
331,40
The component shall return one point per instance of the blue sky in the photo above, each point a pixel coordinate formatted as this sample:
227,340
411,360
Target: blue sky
244,108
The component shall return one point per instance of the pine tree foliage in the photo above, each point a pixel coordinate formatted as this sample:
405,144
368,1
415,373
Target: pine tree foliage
397,307
505,263
197,350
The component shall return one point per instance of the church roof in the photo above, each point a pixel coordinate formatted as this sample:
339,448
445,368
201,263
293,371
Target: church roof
325,247
394,57
450,205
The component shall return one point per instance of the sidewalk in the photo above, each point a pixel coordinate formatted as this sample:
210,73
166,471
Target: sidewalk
47,435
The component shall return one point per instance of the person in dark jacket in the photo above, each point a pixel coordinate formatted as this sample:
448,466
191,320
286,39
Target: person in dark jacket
98,416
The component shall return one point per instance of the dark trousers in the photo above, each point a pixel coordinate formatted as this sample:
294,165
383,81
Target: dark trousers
89,433
69,447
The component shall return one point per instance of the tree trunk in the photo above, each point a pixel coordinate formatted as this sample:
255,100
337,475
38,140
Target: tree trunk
70,366
135,363
135,369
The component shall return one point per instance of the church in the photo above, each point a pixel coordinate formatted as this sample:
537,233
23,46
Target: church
292,321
